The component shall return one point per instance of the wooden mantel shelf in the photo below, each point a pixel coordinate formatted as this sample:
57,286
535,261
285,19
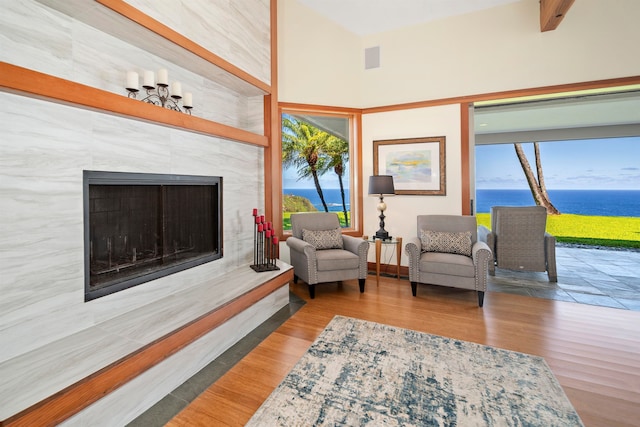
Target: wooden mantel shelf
25,81
125,22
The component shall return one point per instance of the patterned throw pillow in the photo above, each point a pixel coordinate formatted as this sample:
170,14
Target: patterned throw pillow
442,241
323,239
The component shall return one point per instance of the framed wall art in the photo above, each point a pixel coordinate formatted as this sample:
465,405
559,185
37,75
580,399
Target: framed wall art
416,164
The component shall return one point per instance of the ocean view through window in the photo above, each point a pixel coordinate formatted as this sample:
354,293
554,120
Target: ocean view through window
579,202
332,196
598,177
594,184
317,165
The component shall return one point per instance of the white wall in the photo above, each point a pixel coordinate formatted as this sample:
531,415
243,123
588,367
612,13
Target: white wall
402,210
493,50
44,148
501,49
318,61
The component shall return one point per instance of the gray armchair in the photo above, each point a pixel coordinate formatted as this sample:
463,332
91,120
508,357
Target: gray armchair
446,252
321,253
519,241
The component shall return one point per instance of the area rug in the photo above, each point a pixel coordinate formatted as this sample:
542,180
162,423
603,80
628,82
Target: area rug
364,373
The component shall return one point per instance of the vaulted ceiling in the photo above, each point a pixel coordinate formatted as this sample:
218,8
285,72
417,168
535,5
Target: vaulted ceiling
364,17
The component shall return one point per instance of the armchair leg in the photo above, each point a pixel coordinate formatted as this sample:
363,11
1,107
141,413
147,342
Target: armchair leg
312,291
480,298
361,283
414,288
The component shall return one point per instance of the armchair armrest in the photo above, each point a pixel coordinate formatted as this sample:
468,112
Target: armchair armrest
303,259
482,262
359,247
489,237
355,245
479,251
413,247
300,245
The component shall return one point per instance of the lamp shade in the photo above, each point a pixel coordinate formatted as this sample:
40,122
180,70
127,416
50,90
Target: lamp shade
381,184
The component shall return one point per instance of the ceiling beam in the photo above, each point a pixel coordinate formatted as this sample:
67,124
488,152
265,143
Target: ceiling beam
552,12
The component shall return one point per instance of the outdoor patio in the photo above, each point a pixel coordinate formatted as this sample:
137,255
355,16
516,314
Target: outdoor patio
609,278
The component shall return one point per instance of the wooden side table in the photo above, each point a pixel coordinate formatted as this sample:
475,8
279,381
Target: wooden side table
397,241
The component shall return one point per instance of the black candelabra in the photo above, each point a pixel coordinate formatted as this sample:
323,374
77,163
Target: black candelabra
158,91
265,245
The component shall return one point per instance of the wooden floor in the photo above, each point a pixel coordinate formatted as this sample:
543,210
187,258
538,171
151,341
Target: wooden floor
593,351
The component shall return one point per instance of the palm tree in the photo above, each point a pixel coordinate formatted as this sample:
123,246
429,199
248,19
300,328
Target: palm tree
301,148
538,187
338,151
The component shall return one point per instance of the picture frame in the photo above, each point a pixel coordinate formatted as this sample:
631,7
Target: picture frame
418,165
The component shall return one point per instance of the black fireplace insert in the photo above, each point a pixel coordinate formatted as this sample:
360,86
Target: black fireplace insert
140,227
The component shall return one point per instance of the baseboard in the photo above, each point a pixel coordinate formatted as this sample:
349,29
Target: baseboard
388,270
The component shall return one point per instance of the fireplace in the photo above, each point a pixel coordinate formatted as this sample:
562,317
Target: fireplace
140,227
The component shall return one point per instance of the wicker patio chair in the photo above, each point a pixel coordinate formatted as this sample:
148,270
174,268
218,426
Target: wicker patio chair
519,241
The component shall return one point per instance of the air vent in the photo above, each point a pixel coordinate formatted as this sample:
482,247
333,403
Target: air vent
372,57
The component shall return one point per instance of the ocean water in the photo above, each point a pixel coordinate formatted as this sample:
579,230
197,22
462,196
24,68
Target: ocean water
579,202
331,196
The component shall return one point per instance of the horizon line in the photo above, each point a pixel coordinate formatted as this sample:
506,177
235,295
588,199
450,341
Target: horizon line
566,189
501,189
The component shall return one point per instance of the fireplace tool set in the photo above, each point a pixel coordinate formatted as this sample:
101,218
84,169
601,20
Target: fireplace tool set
265,245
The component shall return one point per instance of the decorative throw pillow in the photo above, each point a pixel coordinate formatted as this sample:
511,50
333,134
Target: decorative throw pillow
323,239
442,241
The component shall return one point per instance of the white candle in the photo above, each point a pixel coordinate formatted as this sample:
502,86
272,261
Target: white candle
132,80
176,90
187,101
163,77
149,79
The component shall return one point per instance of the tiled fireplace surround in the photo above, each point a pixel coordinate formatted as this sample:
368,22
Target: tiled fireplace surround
50,337
55,337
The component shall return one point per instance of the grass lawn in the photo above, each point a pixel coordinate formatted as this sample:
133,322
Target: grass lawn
612,231
286,219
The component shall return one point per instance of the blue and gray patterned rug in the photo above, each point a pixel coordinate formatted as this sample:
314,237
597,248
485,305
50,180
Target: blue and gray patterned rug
363,373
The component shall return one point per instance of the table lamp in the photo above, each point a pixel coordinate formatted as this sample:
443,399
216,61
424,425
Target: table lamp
381,184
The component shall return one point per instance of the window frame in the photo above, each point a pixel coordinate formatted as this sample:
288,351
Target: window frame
355,159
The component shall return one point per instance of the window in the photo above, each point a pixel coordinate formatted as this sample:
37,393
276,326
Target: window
320,165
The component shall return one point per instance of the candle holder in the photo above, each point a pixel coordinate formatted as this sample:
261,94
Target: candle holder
158,93
265,245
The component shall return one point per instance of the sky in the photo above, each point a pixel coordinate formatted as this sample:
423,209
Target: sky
328,180
594,164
